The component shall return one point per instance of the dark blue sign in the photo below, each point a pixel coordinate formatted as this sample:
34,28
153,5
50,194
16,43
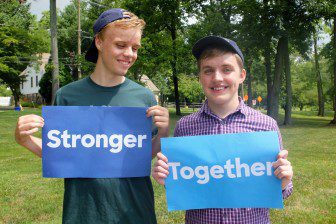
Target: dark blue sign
222,171
96,142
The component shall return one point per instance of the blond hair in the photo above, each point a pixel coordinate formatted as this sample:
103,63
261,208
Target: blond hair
132,21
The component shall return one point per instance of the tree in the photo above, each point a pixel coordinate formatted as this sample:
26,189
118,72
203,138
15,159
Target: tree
191,89
167,21
327,9
45,83
333,121
19,44
4,91
318,79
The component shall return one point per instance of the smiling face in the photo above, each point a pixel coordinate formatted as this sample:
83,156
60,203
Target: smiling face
220,76
118,49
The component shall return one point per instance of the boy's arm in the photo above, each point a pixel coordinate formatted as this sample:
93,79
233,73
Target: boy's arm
287,185
284,171
161,121
25,128
287,191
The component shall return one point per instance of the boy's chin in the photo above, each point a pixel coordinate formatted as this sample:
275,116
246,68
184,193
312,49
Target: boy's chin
222,100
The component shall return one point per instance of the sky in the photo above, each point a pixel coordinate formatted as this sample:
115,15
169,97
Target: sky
38,6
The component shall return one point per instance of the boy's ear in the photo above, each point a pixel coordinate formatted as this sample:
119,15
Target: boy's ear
242,75
98,43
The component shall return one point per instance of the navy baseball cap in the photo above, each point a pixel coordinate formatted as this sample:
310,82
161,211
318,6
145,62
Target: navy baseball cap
105,18
215,41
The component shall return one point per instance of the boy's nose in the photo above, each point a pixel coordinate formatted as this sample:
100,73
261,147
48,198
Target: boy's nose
218,76
128,52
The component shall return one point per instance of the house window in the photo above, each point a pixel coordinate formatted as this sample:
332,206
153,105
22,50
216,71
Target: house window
31,82
36,80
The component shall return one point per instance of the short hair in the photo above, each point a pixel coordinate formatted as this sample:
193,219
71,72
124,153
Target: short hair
215,51
126,23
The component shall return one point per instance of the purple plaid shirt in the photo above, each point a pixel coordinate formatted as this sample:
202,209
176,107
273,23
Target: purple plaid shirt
244,119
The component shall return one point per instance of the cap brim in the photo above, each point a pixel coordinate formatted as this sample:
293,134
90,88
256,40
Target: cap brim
209,41
92,54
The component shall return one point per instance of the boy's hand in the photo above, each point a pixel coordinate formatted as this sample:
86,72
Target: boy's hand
160,119
283,168
160,169
26,126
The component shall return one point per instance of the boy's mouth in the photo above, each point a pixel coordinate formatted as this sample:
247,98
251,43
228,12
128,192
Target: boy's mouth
219,88
127,63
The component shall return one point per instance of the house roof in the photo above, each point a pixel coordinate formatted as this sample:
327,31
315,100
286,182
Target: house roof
149,84
43,61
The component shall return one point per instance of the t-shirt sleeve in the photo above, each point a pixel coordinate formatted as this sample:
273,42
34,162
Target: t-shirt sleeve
59,101
152,100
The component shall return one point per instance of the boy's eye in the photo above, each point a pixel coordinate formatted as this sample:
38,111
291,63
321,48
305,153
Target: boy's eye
226,70
208,71
135,49
120,45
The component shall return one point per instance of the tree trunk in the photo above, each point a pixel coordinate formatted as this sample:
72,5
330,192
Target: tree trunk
16,96
275,90
173,64
79,39
54,49
267,55
249,83
334,58
288,106
318,80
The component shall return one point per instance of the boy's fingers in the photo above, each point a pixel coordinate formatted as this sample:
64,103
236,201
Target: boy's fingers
160,119
29,132
282,169
283,154
30,118
157,111
162,157
161,175
161,124
162,164
281,162
285,174
28,126
160,169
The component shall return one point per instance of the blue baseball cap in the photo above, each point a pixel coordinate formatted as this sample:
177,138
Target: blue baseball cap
105,18
215,41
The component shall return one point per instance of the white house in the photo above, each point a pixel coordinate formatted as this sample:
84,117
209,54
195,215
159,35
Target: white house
30,87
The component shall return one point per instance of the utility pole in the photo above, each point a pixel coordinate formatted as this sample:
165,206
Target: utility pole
79,41
54,49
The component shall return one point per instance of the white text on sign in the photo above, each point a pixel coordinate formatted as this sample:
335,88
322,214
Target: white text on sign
114,141
233,170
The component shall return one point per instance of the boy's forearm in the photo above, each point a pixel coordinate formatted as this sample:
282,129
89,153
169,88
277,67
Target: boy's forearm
33,144
156,145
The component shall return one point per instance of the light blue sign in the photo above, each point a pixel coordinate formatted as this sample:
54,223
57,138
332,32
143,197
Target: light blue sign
222,171
96,142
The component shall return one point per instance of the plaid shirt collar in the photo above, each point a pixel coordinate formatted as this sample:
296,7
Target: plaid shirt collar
241,109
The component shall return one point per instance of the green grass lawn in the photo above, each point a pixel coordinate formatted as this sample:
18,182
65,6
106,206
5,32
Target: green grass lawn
26,197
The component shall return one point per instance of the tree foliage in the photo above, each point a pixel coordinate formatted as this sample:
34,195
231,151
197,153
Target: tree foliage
20,41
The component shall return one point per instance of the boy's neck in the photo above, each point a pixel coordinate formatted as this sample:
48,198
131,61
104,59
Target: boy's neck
223,110
105,79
